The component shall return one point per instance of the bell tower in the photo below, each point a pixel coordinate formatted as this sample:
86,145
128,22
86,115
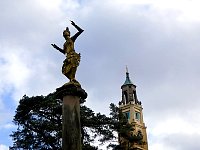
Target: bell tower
131,107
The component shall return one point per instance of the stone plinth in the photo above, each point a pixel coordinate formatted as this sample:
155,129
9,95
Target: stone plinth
71,96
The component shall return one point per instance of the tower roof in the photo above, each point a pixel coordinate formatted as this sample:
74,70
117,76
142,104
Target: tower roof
128,80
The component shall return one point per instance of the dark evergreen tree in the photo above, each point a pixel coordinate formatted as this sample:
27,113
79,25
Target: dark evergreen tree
39,122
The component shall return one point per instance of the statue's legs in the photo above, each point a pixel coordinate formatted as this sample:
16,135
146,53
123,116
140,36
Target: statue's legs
72,74
69,70
66,68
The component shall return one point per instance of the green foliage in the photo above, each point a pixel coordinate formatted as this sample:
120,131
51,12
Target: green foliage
119,122
39,121
93,125
89,147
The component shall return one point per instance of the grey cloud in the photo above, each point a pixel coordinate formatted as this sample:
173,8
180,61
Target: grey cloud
182,141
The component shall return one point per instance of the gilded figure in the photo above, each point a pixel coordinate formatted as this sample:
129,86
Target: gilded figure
72,60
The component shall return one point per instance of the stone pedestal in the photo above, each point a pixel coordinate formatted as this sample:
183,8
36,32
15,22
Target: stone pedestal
71,96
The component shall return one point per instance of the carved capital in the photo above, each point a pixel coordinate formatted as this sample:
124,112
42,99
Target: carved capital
71,90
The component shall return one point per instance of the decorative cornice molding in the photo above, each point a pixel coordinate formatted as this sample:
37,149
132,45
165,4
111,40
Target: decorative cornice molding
71,90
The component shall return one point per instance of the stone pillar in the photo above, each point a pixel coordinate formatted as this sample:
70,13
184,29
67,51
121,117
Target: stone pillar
71,96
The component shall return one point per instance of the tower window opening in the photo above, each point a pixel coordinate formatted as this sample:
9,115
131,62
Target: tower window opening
127,114
125,95
137,115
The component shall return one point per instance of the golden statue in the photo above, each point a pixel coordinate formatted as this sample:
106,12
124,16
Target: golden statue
72,60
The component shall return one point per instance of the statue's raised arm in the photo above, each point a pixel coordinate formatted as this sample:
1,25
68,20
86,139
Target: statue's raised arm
78,33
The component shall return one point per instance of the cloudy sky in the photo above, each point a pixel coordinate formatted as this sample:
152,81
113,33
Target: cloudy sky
159,40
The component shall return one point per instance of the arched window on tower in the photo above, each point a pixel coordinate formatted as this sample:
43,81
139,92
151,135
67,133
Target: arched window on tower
127,114
137,116
125,97
133,97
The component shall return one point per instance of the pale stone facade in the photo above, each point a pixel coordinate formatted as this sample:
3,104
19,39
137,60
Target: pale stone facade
132,109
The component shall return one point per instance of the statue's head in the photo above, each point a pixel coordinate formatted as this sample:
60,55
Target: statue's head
66,32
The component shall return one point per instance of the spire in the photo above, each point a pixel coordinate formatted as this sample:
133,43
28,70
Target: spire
126,68
127,81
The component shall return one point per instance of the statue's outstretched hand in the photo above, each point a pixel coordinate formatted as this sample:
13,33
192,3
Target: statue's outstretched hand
73,23
55,46
58,48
